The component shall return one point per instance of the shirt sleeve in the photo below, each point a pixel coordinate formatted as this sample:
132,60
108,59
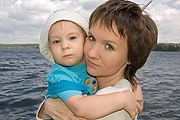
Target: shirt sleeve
67,94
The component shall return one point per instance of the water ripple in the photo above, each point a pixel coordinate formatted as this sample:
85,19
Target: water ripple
23,86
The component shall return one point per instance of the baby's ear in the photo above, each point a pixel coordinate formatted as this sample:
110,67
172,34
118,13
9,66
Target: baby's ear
49,48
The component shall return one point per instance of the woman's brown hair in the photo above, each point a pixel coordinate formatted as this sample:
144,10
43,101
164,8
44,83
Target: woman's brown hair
137,27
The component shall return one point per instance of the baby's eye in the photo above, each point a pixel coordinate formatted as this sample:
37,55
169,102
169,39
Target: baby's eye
56,41
72,38
91,38
109,47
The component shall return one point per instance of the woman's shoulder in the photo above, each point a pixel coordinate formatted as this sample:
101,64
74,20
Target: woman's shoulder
120,86
123,85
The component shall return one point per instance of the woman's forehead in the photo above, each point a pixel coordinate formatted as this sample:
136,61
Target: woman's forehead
103,26
101,29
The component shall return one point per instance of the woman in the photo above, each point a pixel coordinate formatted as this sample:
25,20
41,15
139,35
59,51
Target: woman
119,42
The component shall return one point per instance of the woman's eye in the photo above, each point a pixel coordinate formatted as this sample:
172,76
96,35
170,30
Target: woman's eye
57,41
72,38
109,47
91,38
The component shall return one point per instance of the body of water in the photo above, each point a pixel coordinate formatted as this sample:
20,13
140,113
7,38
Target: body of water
23,85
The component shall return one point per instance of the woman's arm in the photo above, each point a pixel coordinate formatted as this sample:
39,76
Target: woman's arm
97,106
40,113
56,109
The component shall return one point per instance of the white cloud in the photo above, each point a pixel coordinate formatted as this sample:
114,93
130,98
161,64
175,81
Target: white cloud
22,20
177,2
167,20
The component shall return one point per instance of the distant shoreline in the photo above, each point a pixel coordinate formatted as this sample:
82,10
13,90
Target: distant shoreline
175,47
159,47
19,46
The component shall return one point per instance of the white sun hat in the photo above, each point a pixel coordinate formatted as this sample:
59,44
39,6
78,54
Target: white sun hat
58,16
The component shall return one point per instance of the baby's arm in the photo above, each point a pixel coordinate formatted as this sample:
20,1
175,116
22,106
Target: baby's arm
97,106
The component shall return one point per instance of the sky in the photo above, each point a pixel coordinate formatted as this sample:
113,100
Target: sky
21,20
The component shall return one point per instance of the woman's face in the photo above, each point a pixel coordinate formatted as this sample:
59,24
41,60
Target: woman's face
105,52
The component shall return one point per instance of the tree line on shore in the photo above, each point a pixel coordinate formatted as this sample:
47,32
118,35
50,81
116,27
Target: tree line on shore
19,46
158,47
167,47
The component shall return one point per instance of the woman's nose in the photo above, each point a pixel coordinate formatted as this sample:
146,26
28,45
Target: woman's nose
94,52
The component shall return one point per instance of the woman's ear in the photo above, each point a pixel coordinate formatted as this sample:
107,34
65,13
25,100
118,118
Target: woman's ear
128,63
49,48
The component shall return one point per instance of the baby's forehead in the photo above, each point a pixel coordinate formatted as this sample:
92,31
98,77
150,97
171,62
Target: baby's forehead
67,24
64,21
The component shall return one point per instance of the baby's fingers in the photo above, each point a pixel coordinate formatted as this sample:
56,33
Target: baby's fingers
135,112
140,105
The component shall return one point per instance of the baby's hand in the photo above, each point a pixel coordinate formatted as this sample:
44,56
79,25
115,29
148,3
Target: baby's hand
140,101
139,97
131,104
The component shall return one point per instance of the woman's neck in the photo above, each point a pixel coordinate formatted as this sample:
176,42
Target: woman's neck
106,81
112,79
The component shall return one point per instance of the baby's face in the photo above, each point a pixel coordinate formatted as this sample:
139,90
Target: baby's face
67,43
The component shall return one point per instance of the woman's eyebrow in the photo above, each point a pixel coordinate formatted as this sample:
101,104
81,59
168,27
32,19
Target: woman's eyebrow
90,33
110,41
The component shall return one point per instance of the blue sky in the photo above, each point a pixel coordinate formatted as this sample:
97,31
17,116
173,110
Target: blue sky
22,20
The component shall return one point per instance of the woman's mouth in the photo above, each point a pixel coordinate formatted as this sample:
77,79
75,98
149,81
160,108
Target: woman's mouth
91,64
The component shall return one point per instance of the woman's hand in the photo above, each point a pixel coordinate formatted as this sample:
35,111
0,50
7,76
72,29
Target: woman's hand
57,110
